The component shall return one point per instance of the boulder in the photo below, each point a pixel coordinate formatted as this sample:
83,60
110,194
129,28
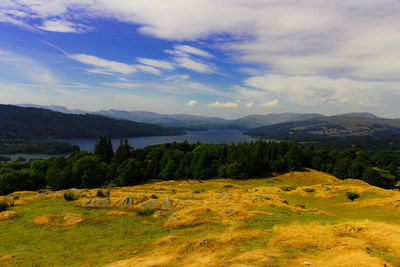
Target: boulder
326,188
167,204
221,195
260,197
129,202
228,211
149,204
96,203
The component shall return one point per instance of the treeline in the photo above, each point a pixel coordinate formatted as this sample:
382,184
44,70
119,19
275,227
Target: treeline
50,148
129,166
377,167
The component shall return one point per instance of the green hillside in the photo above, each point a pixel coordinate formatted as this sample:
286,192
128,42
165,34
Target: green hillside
363,129
35,123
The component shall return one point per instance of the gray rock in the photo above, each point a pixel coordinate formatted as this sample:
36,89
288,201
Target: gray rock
221,195
149,204
70,217
166,204
261,197
129,202
203,242
326,188
97,203
228,211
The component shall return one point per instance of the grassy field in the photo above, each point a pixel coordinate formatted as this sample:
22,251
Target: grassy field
295,219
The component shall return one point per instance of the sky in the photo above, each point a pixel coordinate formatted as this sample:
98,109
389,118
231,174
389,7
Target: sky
225,58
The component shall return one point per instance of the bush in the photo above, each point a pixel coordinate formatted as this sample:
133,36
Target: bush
228,186
145,212
3,205
288,188
69,196
352,196
103,193
309,190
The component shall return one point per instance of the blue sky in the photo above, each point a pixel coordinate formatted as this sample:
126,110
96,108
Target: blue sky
225,58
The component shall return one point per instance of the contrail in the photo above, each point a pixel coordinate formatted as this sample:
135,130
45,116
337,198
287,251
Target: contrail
55,47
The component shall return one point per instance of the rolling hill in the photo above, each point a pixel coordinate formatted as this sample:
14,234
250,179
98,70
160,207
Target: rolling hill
190,122
36,123
346,125
294,219
352,128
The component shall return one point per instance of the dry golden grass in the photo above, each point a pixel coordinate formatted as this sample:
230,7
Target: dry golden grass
7,215
67,219
344,244
294,219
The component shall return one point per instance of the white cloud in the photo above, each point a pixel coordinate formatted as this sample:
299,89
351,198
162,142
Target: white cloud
193,65
218,104
104,64
62,26
192,103
123,85
148,69
177,78
318,90
338,53
249,104
162,64
270,104
185,49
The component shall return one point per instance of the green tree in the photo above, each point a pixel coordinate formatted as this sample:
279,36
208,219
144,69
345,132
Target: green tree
129,172
104,149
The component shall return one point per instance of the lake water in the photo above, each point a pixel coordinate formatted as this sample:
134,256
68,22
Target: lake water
212,136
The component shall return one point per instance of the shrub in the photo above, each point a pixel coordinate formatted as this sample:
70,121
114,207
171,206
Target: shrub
103,193
10,202
3,205
288,188
228,186
352,196
197,191
145,212
69,196
309,190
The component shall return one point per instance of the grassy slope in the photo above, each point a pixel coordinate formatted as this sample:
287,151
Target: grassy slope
226,223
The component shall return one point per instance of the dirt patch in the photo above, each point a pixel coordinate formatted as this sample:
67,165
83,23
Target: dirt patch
67,219
7,215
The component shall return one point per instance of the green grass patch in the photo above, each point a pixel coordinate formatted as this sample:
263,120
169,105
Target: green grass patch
98,240
383,254
190,198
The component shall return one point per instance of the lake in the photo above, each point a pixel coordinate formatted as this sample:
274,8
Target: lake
212,136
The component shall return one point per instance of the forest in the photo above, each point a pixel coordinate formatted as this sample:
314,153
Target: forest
29,147
129,166
42,124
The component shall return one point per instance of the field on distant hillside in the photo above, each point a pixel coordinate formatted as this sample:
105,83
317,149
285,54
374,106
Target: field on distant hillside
295,219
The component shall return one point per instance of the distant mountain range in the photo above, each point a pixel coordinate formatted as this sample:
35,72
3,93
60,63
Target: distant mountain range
192,122
38,123
364,130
